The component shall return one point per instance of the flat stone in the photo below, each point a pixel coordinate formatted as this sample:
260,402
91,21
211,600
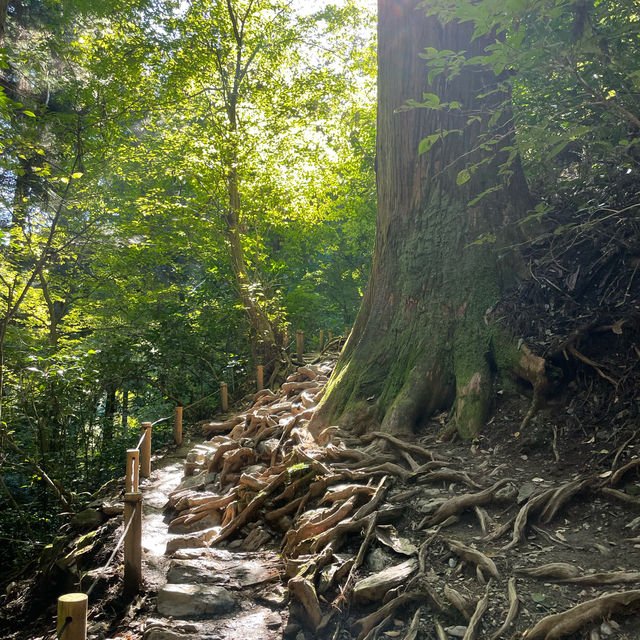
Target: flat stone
195,572
378,560
193,600
373,588
112,508
456,632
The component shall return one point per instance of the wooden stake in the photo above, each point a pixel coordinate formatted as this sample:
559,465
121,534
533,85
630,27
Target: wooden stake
133,543
300,344
145,451
177,427
260,377
133,470
330,336
346,332
321,341
72,610
224,396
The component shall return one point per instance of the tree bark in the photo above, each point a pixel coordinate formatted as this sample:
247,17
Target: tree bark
421,341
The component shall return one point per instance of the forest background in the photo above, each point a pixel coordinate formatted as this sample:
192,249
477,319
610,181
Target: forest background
184,184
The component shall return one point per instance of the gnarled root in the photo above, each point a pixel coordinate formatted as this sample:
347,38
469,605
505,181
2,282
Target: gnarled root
567,622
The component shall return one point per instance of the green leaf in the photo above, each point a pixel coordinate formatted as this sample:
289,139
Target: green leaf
76,175
463,176
427,143
29,113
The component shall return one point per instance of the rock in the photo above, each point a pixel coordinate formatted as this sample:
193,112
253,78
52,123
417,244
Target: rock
378,559
508,493
112,508
526,491
606,629
456,632
430,506
373,588
159,633
195,572
87,518
193,600
291,630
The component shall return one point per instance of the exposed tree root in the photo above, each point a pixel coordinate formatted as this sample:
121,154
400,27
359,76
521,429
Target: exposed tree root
617,476
364,625
474,623
462,604
460,503
561,496
473,555
567,622
621,496
534,503
511,613
559,570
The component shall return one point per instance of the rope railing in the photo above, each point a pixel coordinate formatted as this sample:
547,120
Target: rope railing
73,607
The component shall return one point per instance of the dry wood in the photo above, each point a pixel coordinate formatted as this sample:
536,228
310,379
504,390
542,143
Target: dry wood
465,501
335,515
622,447
221,427
622,496
375,501
302,589
562,624
291,489
273,516
342,492
473,555
402,444
441,633
251,508
234,460
617,476
360,557
513,609
472,628
560,570
461,603
299,386
449,475
613,577
562,495
413,465
483,518
498,532
374,634
249,480
218,503
229,514
367,462
364,625
414,627
216,461
534,503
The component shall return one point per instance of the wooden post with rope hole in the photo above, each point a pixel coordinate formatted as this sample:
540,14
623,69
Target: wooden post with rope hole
177,426
224,397
133,543
72,615
145,451
132,470
299,344
321,340
260,377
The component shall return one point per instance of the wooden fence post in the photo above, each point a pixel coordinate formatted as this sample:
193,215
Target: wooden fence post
346,332
72,612
177,427
260,377
145,451
133,543
300,344
321,341
224,396
330,336
133,470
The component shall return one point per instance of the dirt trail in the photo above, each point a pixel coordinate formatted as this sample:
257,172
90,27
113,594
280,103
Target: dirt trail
270,535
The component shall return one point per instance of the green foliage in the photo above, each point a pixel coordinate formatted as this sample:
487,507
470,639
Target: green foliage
121,124
569,71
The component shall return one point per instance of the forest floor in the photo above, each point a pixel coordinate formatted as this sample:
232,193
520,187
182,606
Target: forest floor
260,532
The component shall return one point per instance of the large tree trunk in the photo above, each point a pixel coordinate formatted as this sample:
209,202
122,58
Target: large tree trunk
421,341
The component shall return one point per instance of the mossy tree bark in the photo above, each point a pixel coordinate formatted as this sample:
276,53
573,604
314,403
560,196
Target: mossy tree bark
421,341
